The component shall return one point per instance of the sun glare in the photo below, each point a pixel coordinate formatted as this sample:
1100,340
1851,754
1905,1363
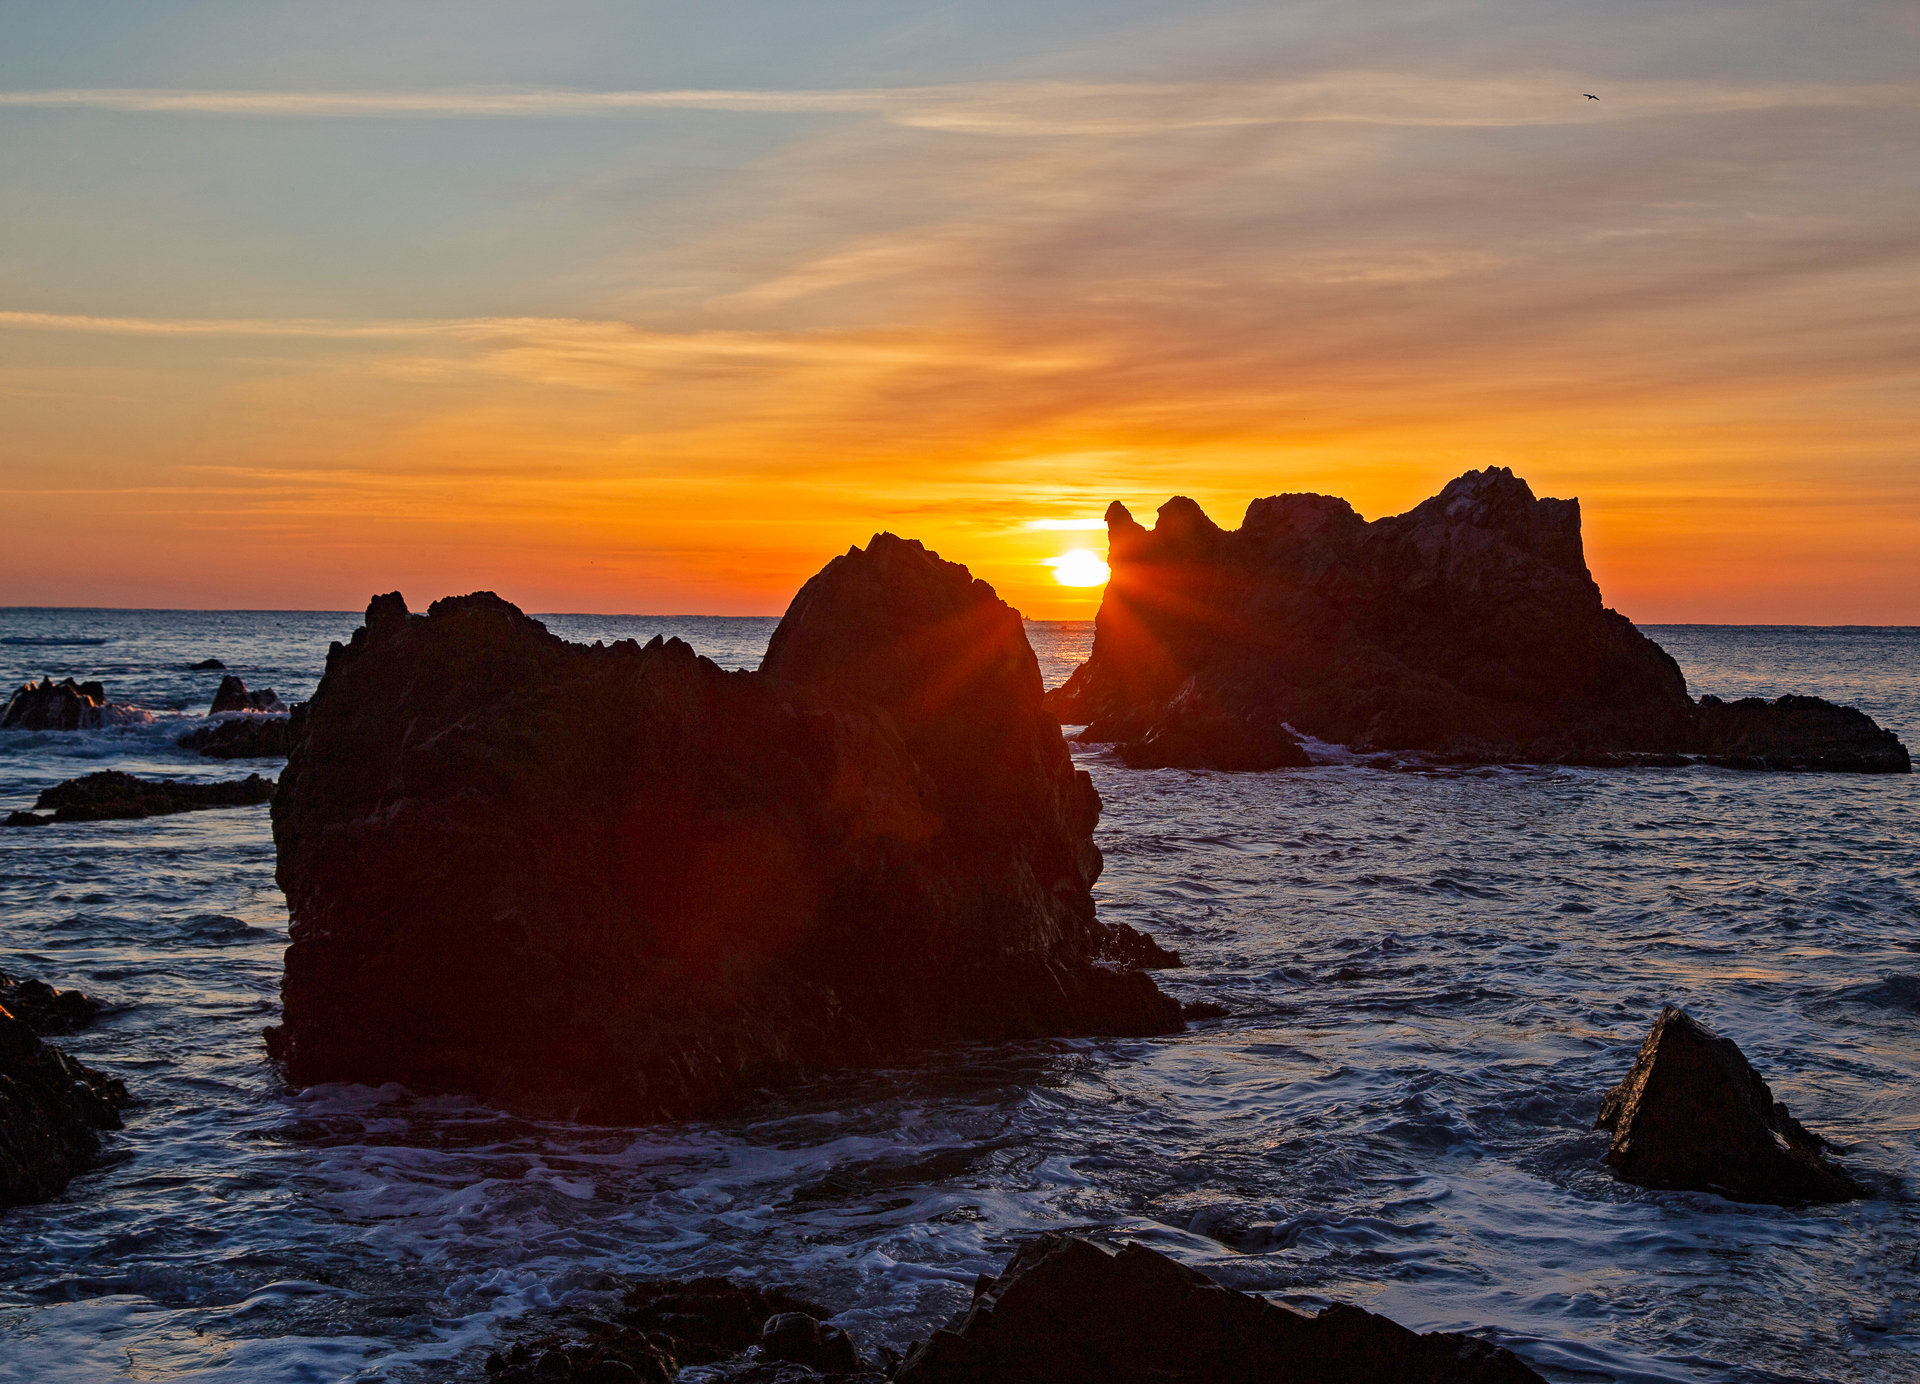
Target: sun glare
1078,568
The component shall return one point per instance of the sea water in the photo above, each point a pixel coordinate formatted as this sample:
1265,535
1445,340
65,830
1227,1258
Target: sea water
1431,978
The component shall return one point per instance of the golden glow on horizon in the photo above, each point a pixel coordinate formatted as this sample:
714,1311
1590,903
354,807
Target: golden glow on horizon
1080,567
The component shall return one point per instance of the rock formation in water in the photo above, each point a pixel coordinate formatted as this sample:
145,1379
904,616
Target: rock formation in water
65,705
206,665
112,796
52,1108
1694,1115
1468,628
1069,1311
233,696
617,883
253,736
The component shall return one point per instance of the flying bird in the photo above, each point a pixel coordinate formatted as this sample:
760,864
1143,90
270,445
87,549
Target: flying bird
1590,96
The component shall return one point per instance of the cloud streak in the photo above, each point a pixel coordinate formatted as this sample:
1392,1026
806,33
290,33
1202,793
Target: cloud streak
1050,108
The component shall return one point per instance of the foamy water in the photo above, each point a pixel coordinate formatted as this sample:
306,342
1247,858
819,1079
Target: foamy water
1432,978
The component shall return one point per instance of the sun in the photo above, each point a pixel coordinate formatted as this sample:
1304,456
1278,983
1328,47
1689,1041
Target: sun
1078,568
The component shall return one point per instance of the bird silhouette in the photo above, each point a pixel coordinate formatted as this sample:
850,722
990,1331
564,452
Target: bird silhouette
1590,96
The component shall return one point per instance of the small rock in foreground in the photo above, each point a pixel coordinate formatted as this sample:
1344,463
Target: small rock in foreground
44,1009
1693,1115
111,796
51,1112
1069,1311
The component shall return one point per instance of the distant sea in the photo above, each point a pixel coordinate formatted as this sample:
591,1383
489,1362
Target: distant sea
1431,979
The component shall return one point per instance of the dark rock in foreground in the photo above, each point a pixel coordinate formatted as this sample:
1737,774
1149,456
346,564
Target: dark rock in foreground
1693,1115
1468,628
206,665
112,796
52,1110
64,705
619,883
44,1009
233,696
662,1327
254,736
1069,1311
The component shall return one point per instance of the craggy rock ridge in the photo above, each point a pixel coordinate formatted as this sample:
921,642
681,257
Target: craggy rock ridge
252,735
1069,1311
66,705
619,883
233,696
1468,628
52,1109
111,796
1694,1115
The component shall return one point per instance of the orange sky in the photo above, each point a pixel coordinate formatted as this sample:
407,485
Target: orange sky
671,355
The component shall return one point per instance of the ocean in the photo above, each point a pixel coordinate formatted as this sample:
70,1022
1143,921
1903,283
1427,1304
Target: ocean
1431,978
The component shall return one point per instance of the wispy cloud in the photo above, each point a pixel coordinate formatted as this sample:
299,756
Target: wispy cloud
1050,108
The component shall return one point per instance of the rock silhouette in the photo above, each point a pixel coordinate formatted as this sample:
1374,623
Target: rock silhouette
52,1108
619,883
111,795
1069,1311
1468,628
50,705
242,737
1694,1115
206,665
233,696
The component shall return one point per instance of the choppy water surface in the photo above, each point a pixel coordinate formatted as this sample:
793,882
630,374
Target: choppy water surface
1432,977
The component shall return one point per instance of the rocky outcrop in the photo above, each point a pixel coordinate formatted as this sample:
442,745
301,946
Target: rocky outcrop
1069,1311
111,796
1468,628
52,1109
616,883
66,705
1694,1115
233,696
252,736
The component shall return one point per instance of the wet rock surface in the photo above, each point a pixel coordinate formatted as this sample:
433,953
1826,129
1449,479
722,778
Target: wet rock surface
1067,1310
234,696
619,883
254,736
52,1109
1468,628
111,795
1694,1115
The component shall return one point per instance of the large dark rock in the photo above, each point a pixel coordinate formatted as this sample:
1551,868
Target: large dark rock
616,883
1069,1311
64,705
52,1110
111,796
1797,733
1468,628
253,736
233,696
1694,1115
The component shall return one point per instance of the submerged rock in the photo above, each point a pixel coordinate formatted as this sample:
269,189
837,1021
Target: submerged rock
233,696
1694,1115
44,1009
65,705
1069,1311
206,665
52,1110
251,736
111,796
1468,628
619,883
